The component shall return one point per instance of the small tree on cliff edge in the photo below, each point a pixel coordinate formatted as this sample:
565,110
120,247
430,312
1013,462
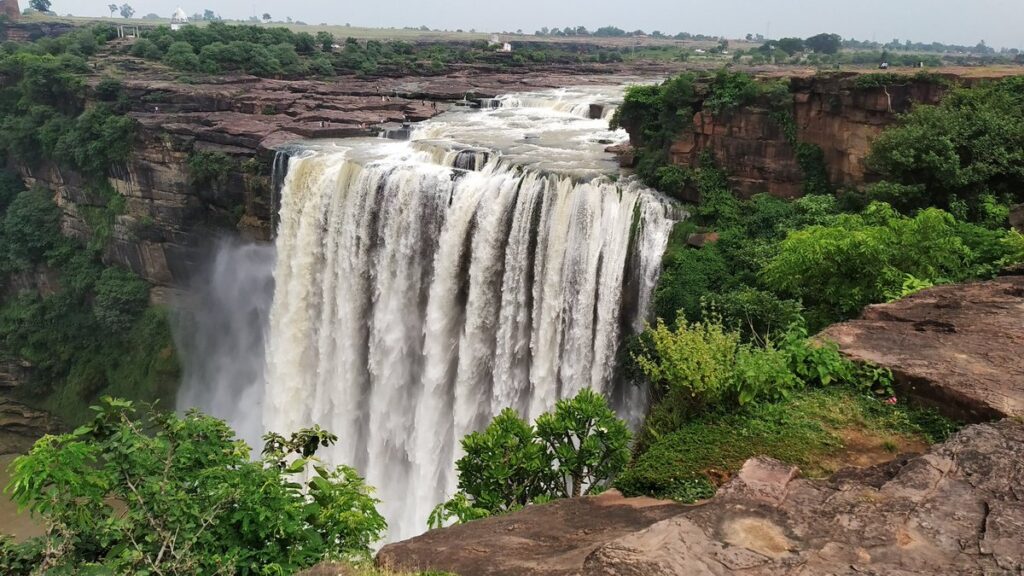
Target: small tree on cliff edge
586,439
40,5
581,444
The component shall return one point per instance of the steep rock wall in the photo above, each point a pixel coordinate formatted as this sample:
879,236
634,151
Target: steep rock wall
829,111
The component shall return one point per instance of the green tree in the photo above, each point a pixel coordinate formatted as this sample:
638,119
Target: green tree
40,5
587,440
838,269
112,8
326,41
969,146
29,226
127,11
504,468
180,55
120,297
511,464
825,43
191,499
790,45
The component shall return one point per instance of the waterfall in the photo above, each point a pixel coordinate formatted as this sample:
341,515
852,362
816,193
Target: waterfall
420,287
220,333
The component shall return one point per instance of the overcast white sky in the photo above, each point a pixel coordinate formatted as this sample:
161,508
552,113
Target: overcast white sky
999,22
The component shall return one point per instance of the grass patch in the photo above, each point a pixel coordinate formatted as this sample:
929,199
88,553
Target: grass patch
814,430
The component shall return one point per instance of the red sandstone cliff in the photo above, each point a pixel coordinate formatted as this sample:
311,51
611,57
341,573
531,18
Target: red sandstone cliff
830,111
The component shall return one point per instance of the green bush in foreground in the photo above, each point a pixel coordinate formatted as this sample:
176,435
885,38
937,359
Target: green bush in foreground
574,450
190,500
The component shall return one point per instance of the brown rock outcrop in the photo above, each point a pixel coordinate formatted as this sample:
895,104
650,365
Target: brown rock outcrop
553,539
958,509
832,112
957,347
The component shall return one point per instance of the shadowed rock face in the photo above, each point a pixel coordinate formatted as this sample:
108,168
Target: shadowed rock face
958,509
957,347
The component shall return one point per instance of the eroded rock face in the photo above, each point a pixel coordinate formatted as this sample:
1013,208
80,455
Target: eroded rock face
831,112
10,9
958,509
957,347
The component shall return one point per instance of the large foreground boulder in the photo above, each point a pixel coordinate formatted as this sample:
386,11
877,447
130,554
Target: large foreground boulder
553,539
958,509
957,347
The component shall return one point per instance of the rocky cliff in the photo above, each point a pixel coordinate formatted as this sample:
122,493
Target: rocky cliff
834,112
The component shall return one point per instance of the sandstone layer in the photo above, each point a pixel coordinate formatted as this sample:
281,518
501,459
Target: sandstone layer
956,347
833,112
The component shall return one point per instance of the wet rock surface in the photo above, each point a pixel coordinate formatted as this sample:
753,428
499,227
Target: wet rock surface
956,347
959,509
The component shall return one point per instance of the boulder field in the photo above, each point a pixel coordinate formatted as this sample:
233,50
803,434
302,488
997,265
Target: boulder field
957,509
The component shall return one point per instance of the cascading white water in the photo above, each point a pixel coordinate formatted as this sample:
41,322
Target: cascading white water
423,286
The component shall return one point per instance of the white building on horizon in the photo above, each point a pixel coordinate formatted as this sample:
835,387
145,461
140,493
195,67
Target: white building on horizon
179,19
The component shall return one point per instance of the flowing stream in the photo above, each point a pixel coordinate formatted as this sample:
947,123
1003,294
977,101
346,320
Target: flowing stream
416,288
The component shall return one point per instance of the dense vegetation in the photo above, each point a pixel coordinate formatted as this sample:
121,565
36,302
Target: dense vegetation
43,112
88,329
91,333
178,495
732,370
279,52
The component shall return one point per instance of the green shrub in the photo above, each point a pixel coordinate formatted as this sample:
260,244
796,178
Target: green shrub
574,450
120,297
191,501
145,48
836,270
31,228
109,89
180,55
209,168
758,315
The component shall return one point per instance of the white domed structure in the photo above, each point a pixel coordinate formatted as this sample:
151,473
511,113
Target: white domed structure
179,19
